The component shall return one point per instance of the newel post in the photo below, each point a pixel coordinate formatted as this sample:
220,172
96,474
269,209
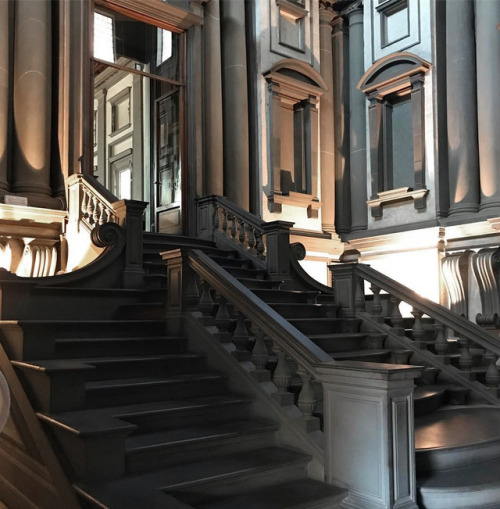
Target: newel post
345,284
205,219
278,248
182,291
133,274
369,433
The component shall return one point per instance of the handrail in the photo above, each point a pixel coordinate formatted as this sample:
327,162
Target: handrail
299,346
458,323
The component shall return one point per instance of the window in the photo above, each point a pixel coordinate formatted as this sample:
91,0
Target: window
394,86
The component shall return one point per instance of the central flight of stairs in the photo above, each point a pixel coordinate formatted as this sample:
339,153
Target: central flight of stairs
140,420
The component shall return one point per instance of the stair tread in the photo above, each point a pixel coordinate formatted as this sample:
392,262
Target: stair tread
151,380
80,419
193,434
457,427
119,339
427,391
359,353
138,358
304,493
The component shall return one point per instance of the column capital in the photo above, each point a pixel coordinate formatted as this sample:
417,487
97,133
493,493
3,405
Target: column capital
326,13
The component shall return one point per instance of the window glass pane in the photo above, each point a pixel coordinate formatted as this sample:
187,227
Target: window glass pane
103,37
402,145
135,44
125,184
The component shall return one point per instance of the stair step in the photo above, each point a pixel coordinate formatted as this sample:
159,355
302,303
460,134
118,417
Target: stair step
363,355
136,345
470,487
144,389
456,437
142,311
344,342
256,284
325,325
141,365
155,267
177,240
300,494
226,474
245,272
304,310
427,398
232,262
275,295
191,443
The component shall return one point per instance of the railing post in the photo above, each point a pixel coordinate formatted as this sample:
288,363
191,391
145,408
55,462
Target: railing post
345,283
278,249
133,274
369,433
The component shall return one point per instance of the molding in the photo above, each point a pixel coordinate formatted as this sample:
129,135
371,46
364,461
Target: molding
397,195
156,12
292,10
276,201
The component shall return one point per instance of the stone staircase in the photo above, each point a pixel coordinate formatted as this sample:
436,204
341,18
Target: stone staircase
456,433
137,417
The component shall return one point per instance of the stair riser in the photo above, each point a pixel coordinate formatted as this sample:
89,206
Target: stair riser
379,357
122,396
110,371
168,456
110,348
257,284
305,311
479,498
280,296
246,273
141,312
445,459
232,262
326,326
426,405
110,329
338,345
181,419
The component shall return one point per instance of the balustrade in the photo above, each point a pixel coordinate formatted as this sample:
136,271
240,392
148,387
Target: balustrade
478,350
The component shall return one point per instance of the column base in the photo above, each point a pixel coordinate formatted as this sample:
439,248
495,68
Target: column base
463,208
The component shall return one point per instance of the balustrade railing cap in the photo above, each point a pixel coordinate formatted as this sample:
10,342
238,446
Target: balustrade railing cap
367,370
280,225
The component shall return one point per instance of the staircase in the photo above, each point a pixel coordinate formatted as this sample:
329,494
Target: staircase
141,420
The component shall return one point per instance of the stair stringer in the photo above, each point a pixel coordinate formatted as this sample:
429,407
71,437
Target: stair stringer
240,379
30,473
479,390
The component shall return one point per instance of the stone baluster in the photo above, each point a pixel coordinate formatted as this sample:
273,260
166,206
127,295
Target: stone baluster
260,243
492,373
83,205
233,226
465,359
396,317
359,300
206,304
240,334
90,209
376,304
97,211
251,239
441,345
418,332
282,376
224,221
215,219
222,318
260,356
241,236
307,401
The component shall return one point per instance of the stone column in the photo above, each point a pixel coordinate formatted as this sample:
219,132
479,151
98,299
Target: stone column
357,119
461,107
214,179
488,107
341,127
32,95
327,139
4,94
235,103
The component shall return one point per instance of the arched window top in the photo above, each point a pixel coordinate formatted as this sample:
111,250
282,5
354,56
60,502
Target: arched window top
389,72
299,75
